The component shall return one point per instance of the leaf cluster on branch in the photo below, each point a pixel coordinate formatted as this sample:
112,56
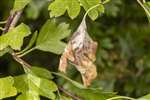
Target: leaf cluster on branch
36,83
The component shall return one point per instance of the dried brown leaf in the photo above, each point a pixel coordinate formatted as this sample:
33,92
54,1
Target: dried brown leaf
81,51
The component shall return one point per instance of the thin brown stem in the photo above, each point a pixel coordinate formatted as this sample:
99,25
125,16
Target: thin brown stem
12,20
21,61
15,19
74,97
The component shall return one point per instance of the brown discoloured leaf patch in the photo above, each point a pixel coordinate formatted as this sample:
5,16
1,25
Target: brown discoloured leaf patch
81,51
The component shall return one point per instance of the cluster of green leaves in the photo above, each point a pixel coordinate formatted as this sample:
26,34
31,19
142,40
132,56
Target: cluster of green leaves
31,85
73,8
113,58
36,82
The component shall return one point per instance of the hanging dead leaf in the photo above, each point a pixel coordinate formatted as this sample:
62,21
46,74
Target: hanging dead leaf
81,51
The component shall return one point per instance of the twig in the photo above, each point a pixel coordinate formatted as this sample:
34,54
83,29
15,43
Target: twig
12,20
21,61
141,4
2,29
121,97
69,93
95,6
9,21
21,55
3,22
15,19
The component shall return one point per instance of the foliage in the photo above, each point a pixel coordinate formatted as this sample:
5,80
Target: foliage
50,36
37,32
32,86
7,88
14,37
73,8
18,5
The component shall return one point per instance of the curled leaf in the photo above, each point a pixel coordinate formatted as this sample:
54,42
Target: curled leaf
80,51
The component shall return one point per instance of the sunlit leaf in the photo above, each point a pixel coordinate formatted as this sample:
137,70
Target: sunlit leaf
73,8
59,7
147,97
20,4
30,95
14,37
66,98
93,14
4,51
6,87
37,86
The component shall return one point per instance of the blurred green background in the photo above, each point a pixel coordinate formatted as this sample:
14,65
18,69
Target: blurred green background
123,36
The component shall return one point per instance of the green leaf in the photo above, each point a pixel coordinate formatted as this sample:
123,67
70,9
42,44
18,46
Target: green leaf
147,97
93,14
35,86
89,93
20,4
50,37
59,7
62,97
32,11
73,8
28,96
3,22
1,28
4,51
41,72
6,87
14,37
34,8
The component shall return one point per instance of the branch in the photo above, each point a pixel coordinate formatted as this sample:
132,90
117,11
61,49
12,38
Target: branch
16,18
21,61
12,20
69,93
141,4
